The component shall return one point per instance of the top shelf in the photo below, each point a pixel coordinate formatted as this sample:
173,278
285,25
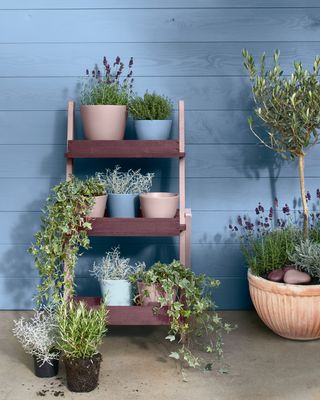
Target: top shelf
124,149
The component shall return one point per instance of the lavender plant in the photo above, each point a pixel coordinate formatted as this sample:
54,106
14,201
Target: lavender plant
38,335
109,88
130,182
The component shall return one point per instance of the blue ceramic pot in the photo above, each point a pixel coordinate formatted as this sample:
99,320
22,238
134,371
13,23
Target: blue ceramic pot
153,129
123,205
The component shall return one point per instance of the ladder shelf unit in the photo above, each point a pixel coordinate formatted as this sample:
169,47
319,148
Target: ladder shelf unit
179,226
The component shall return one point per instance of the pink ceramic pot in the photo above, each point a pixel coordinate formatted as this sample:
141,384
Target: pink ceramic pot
99,207
159,204
291,311
149,294
104,122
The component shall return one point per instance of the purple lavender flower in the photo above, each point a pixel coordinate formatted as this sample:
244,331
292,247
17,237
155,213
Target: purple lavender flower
286,209
239,219
318,193
260,208
257,211
271,213
308,196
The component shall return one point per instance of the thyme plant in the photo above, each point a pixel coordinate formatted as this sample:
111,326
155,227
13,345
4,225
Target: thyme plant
290,108
38,335
63,232
150,107
129,182
187,299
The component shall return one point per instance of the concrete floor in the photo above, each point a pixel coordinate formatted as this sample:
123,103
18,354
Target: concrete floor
135,366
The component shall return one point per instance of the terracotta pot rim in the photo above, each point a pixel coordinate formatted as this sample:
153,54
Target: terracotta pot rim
159,195
283,288
102,105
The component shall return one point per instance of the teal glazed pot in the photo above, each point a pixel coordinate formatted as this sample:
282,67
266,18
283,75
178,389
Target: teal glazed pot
123,205
153,129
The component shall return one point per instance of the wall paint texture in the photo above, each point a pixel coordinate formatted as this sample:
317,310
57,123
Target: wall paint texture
187,50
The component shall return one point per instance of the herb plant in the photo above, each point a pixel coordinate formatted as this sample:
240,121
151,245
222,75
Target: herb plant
63,231
290,108
109,88
38,335
129,182
187,299
112,266
80,329
150,107
306,256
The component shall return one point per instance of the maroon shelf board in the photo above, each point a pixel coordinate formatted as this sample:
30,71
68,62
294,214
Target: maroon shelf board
136,227
129,315
123,149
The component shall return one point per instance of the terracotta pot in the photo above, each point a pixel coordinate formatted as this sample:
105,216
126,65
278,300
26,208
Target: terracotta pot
291,311
159,205
152,297
104,122
99,207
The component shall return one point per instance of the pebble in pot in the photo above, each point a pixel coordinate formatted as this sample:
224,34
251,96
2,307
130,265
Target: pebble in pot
276,275
296,277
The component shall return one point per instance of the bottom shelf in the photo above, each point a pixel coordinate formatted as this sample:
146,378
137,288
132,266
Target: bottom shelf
129,315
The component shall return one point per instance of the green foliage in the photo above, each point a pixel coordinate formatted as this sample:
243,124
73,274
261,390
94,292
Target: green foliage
80,329
63,231
129,182
270,250
306,256
289,106
150,107
188,301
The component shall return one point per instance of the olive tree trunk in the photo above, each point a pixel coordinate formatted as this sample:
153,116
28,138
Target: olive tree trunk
303,196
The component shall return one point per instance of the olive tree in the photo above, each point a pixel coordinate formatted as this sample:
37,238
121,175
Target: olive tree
289,106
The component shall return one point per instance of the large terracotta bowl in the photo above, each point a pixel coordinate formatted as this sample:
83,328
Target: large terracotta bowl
291,311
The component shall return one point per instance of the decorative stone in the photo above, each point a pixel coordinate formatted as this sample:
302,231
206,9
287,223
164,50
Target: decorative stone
276,275
296,277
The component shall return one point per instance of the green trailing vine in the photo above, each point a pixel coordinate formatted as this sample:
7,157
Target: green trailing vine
187,299
63,232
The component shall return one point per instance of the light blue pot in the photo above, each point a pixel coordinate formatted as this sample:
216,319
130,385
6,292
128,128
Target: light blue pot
153,129
123,205
116,292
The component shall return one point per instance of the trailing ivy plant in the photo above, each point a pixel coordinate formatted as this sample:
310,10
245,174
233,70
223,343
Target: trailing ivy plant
187,299
290,108
63,231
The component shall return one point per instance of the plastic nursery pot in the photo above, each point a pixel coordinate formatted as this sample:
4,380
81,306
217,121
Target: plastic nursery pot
116,292
45,370
104,122
159,205
123,205
149,294
153,129
82,374
99,207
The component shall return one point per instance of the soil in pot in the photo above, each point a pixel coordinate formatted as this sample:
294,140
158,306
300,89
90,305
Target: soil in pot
45,370
153,129
83,374
159,204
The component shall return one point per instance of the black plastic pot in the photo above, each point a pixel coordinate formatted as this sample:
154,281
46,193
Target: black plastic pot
45,370
83,374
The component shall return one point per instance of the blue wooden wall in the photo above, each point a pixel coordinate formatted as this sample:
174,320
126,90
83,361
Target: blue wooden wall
183,48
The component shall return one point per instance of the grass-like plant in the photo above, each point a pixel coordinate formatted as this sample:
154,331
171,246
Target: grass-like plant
129,182
306,256
289,107
38,335
187,299
150,107
112,266
80,329
108,88
63,232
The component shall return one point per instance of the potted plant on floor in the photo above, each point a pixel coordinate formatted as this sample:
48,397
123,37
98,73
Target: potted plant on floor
151,115
187,301
289,108
38,337
112,273
123,190
80,333
63,231
104,101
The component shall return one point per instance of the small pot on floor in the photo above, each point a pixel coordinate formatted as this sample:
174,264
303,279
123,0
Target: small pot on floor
83,374
99,207
153,129
116,292
123,205
46,369
159,204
